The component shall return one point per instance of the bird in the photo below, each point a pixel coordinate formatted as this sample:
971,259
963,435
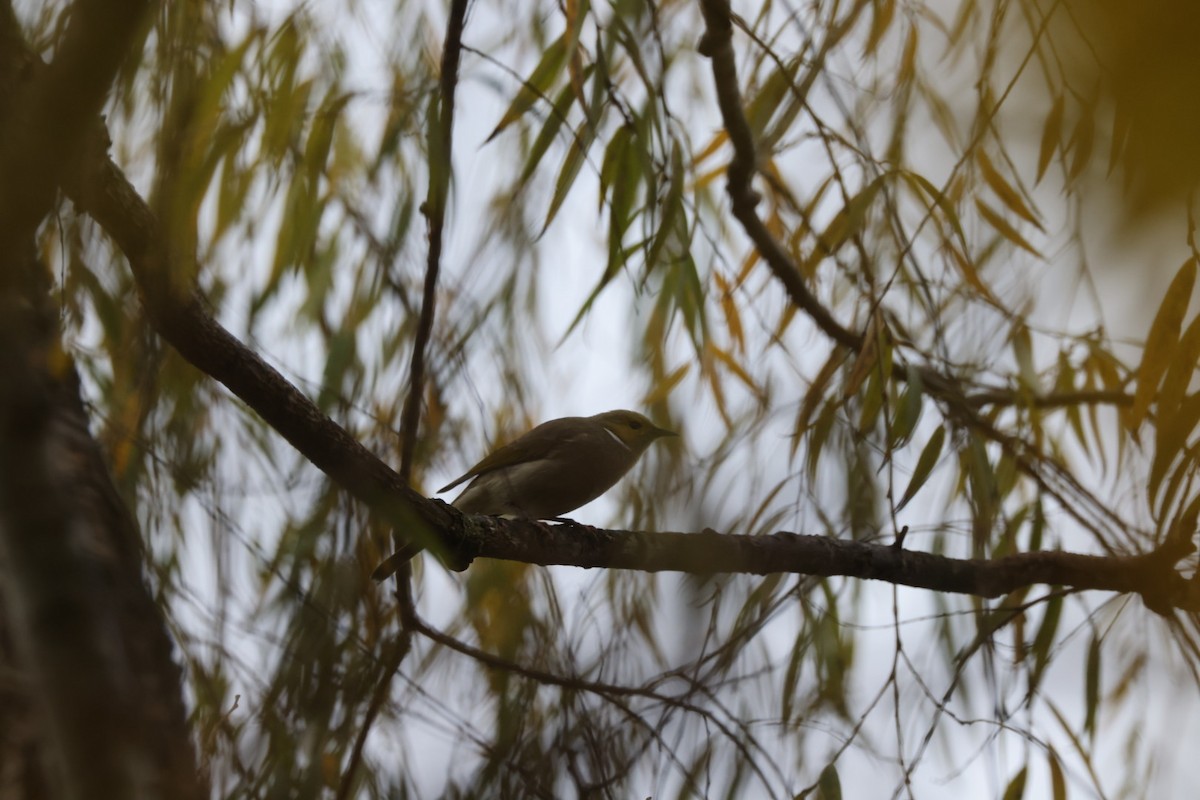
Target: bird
549,471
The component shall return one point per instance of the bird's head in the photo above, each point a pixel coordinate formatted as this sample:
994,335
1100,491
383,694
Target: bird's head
635,431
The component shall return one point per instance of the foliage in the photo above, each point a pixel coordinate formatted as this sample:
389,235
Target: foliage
934,171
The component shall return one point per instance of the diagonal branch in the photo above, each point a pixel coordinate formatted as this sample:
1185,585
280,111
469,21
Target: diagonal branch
43,120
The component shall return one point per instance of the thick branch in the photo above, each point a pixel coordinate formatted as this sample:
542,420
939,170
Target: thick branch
43,119
1151,575
181,318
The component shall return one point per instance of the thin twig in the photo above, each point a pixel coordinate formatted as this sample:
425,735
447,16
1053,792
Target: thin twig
440,168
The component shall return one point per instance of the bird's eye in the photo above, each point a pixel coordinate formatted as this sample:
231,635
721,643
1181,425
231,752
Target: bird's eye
637,426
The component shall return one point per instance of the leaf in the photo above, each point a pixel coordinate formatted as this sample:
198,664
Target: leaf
925,464
939,199
908,409
1162,339
1002,226
1044,639
1120,133
816,393
1170,437
1016,787
1058,782
872,402
764,105
663,389
536,85
729,308
819,435
885,12
574,159
342,351
620,171
1091,693
848,221
908,60
1023,350
829,785
546,136
1081,142
1051,136
672,209
1179,373
868,354
1004,190
737,369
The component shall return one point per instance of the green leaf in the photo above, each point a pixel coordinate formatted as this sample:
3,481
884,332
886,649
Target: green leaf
829,785
1023,350
1092,686
849,220
1058,782
574,159
925,463
536,85
1044,639
1016,787
908,409
672,210
342,350
546,136
815,394
763,106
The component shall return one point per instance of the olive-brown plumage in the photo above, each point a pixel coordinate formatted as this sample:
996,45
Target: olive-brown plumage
557,467
553,469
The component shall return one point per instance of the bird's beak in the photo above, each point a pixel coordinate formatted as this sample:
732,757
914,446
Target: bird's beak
660,432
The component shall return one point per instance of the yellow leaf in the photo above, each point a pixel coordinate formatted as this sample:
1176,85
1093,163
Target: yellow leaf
908,61
1002,226
1004,190
666,385
737,369
885,12
720,138
733,320
1051,136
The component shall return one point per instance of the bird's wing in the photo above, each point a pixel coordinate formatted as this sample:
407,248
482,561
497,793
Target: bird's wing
535,445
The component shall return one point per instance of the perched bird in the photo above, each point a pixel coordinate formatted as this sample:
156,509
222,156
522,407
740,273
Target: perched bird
555,468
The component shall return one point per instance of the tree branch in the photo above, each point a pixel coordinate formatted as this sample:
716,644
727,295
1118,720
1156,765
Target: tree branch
1151,575
179,315
47,115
